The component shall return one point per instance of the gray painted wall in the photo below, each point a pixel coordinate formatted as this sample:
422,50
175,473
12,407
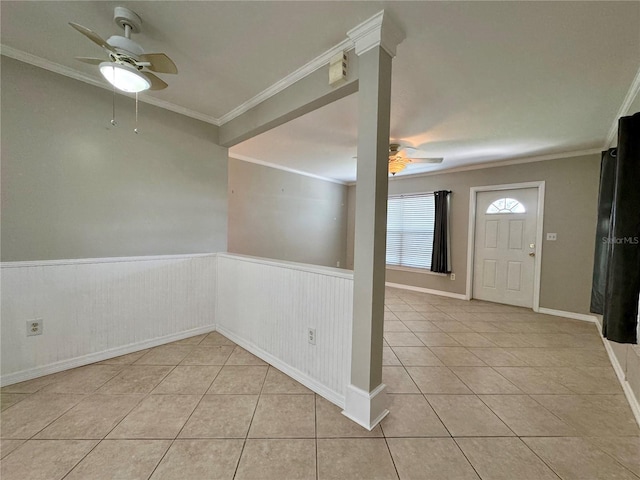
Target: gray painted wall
73,186
351,225
570,211
286,216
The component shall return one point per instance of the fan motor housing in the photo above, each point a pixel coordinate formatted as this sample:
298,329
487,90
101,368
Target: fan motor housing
125,45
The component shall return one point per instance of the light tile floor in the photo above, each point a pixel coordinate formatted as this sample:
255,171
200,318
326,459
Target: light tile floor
476,390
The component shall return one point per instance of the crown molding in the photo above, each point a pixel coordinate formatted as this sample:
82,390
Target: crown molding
463,168
379,30
302,72
505,163
497,163
631,95
76,75
285,169
40,62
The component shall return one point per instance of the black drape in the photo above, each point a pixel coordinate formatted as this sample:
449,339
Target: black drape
623,270
605,201
440,254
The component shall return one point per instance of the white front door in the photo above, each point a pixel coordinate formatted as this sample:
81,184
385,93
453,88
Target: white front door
505,236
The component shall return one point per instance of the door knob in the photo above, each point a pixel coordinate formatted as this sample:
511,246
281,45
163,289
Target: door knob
532,254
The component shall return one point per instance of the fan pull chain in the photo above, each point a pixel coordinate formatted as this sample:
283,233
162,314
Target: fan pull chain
113,110
136,127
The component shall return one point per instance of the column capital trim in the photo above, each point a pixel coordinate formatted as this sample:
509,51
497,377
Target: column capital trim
377,31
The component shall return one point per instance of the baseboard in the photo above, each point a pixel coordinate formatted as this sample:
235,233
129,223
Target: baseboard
442,293
312,384
634,402
24,375
573,315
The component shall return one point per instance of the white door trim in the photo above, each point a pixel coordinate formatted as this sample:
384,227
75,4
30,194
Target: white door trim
472,233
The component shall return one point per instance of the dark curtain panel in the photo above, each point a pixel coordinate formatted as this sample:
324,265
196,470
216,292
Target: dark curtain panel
623,272
440,256
605,201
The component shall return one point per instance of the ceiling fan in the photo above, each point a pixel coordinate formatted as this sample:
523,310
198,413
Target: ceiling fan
128,67
401,156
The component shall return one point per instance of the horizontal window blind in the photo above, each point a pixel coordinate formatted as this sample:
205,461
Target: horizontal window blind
410,224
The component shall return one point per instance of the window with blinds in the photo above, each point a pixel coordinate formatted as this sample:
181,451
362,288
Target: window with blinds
410,224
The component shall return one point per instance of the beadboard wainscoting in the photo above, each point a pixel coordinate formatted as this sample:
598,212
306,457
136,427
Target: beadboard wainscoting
268,307
93,309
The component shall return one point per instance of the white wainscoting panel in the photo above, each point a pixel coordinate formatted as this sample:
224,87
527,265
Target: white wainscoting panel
268,307
97,308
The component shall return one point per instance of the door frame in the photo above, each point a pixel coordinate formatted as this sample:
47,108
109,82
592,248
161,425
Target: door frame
473,193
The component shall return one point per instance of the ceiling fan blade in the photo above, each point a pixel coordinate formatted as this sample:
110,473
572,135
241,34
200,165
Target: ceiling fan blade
156,82
411,151
90,60
160,62
425,160
416,155
94,37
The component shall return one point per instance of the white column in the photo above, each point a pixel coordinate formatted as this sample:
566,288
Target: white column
375,44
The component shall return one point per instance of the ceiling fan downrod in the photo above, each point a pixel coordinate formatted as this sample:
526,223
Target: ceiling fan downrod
128,20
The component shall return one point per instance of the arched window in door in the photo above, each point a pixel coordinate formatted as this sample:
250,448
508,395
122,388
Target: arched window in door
506,205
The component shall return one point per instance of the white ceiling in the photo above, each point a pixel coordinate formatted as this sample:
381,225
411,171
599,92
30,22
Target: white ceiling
472,82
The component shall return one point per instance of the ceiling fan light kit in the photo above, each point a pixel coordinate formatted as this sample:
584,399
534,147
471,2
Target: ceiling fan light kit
396,166
124,77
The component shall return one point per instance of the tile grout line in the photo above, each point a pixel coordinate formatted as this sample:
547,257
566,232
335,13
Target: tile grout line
117,423
425,398
147,395
84,397
437,416
587,439
393,462
467,458
244,442
540,405
540,458
190,415
61,415
80,460
315,426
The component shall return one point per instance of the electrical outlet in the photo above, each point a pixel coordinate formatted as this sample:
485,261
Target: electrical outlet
34,327
311,334
453,276
552,237
338,264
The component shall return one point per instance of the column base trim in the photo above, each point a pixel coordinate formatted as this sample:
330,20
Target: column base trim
367,409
